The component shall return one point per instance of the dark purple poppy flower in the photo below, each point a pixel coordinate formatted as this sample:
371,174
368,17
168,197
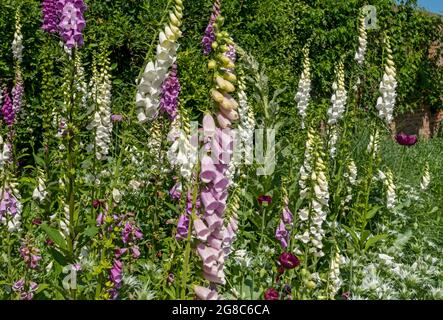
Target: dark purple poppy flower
271,294
288,260
264,198
406,139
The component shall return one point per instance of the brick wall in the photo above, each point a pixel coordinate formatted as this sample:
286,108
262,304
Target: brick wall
421,122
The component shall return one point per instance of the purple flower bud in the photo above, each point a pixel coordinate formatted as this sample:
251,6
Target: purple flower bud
209,36
8,110
406,139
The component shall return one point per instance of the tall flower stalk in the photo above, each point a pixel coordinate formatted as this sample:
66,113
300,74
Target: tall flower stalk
313,187
304,87
386,101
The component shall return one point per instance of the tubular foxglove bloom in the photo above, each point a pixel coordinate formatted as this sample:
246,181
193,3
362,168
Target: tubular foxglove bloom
386,102
149,90
40,193
71,22
50,16
304,87
362,41
313,185
426,179
7,110
169,94
209,36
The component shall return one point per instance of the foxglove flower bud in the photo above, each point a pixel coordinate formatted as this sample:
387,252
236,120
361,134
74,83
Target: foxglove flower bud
209,36
362,41
17,43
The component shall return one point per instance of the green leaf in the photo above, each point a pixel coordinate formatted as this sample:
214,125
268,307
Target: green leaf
58,257
55,236
172,207
371,213
352,233
373,240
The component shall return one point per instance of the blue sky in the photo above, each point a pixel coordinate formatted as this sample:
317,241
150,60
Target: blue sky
432,5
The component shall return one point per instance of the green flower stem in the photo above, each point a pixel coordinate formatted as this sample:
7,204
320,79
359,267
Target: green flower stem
193,216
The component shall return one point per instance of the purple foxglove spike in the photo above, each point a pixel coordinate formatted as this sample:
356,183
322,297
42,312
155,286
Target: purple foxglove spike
170,91
208,170
71,23
8,110
209,36
50,18
201,229
214,242
208,254
208,126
